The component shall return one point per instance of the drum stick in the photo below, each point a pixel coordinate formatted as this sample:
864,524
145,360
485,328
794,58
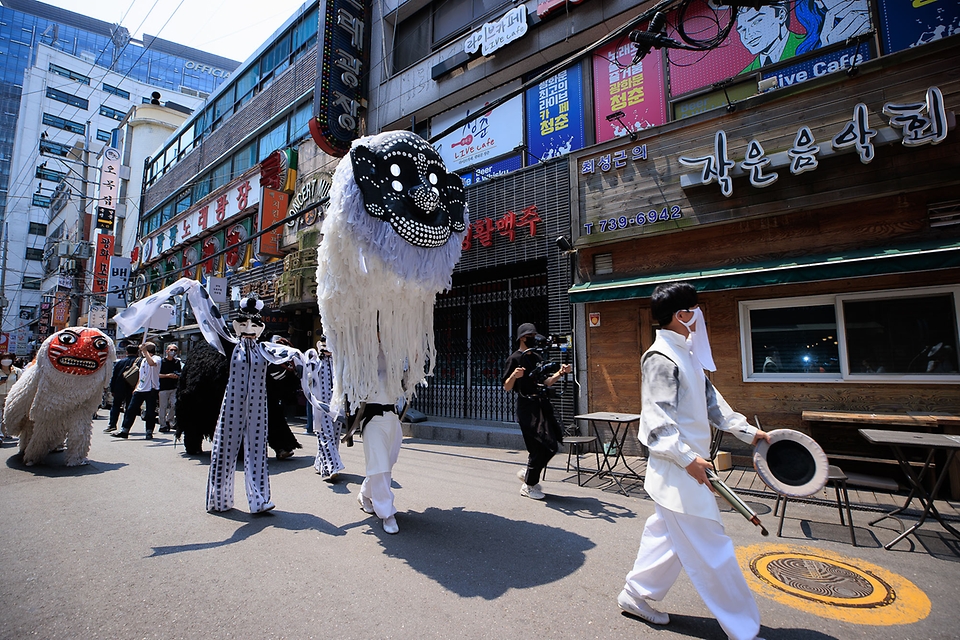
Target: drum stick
735,501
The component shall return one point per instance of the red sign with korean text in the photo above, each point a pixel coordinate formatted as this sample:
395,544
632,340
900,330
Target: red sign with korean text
273,209
634,89
101,263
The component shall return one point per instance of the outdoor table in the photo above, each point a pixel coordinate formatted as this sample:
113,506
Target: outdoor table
612,448
932,442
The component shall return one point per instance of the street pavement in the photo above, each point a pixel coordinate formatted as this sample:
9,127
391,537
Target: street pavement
123,548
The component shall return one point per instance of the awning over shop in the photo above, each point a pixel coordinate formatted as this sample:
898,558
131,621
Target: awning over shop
941,254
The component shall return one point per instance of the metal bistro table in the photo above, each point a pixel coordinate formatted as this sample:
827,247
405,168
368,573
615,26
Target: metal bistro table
612,448
932,442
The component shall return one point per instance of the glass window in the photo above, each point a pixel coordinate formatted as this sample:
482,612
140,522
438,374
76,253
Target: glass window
67,73
412,40
63,123
32,284
117,91
110,112
201,189
54,148
901,335
49,174
305,33
300,122
245,158
184,202
63,96
247,84
223,107
221,175
33,254
880,336
275,59
272,140
103,136
38,229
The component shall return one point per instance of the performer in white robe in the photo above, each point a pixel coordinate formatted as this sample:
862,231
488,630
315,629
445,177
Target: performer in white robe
678,406
391,237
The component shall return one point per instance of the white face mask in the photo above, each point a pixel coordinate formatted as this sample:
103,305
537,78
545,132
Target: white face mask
6,363
699,341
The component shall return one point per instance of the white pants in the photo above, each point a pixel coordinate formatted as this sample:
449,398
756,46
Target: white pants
673,540
167,408
381,448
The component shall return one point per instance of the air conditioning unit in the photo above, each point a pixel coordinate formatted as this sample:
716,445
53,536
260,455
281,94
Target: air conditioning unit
65,249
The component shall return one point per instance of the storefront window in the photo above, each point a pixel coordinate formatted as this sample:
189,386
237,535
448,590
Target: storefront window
880,336
902,335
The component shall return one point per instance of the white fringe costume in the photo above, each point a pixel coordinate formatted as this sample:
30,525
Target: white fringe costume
47,404
376,292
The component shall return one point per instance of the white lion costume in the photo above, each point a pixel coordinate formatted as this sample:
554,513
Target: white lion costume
56,397
391,237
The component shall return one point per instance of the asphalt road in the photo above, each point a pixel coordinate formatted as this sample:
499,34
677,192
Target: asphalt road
123,548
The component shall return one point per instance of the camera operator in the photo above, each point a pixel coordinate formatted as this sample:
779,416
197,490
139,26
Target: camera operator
527,374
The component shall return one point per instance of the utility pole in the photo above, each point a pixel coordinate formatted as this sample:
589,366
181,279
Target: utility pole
3,275
80,273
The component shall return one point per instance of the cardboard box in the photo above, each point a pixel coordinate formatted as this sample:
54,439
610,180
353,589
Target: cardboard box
723,461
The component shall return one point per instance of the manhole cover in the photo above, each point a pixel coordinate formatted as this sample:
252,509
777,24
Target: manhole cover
822,580
832,586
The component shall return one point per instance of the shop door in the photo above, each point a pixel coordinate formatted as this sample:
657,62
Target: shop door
472,324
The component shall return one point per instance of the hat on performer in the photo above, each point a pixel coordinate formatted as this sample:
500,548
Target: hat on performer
526,329
792,463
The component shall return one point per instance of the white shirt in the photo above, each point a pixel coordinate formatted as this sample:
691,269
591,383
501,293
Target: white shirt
149,375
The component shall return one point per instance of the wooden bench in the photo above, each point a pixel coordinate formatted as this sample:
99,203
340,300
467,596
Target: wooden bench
836,432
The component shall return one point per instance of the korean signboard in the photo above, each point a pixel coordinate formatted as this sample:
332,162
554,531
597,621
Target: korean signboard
490,134
273,209
239,196
101,263
555,115
109,188
61,310
118,281
45,324
342,65
760,37
636,90
498,33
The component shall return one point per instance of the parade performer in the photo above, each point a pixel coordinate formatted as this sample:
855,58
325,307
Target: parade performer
56,397
203,382
391,237
282,385
318,365
243,412
679,404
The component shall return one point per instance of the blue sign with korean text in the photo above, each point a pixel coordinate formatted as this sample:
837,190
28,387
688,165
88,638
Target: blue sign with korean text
555,124
904,25
841,60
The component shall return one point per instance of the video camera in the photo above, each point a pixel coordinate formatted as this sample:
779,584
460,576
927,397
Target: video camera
545,368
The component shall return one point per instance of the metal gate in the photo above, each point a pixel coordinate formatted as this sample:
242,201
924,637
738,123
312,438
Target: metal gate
474,325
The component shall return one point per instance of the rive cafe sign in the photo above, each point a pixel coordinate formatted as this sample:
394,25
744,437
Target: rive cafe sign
342,64
919,123
494,35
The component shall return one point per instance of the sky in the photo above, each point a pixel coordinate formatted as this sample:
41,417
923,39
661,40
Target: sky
230,28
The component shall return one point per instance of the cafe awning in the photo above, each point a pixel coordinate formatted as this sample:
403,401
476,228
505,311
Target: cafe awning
941,254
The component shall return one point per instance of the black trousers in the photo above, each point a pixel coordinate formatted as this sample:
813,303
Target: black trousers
541,434
133,408
120,403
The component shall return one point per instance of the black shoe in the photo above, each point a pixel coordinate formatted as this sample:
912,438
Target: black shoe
165,429
120,434
149,435
109,429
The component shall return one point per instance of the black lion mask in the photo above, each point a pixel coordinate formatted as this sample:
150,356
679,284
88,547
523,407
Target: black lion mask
404,182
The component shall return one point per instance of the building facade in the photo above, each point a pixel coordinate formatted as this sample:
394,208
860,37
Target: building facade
68,78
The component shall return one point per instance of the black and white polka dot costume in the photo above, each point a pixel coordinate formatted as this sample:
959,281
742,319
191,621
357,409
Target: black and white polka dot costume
318,377
243,413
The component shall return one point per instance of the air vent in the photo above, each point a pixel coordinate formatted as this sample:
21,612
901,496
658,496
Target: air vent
946,214
603,264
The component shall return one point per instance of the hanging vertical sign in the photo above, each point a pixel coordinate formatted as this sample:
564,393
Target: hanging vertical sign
555,124
61,310
118,281
342,64
109,188
273,209
101,262
45,320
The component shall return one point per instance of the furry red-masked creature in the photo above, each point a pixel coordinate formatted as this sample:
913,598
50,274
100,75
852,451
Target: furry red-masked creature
56,397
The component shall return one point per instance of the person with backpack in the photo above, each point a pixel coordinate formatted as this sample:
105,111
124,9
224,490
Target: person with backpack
147,391
120,387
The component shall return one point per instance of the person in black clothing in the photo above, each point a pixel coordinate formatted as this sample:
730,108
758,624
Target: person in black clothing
541,431
170,368
282,383
120,388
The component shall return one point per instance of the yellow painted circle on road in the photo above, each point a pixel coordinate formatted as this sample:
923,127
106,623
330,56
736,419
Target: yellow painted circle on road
832,586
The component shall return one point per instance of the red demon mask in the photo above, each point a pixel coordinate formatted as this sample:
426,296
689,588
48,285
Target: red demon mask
78,351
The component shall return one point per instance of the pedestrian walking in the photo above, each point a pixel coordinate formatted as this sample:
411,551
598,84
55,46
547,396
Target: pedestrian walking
147,391
170,368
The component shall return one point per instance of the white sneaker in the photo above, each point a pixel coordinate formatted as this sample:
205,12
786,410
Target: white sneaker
365,503
534,492
641,609
522,475
390,525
